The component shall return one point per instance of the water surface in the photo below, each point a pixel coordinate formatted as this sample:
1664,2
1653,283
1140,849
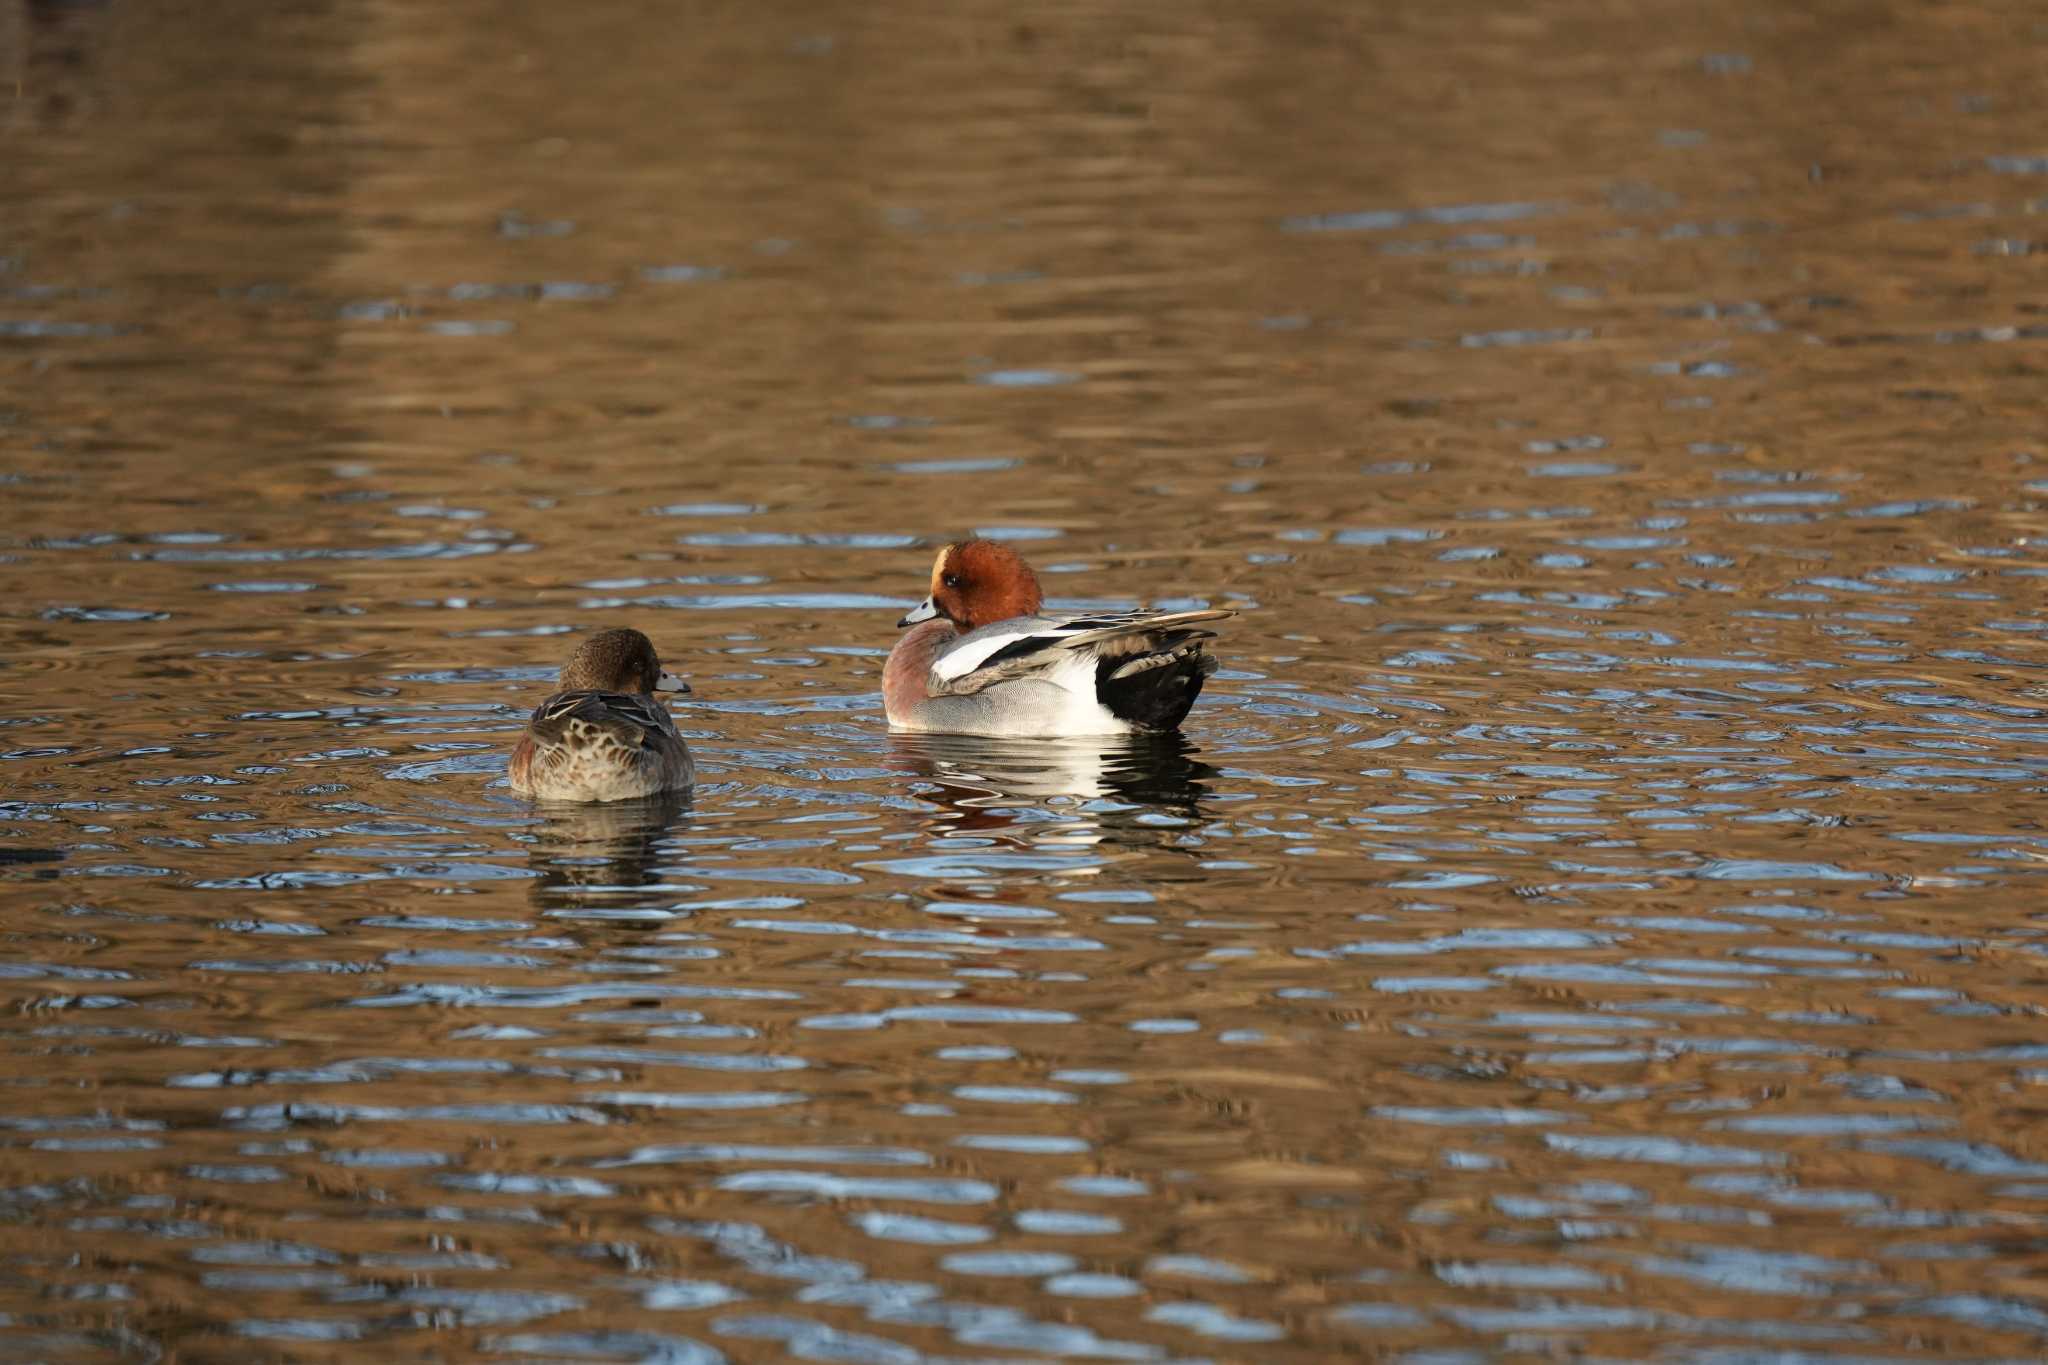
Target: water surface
1596,912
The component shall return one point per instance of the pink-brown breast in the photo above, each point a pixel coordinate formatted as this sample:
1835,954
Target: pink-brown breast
910,663
522,762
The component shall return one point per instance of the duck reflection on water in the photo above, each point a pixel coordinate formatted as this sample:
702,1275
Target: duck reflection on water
1129,789
599,856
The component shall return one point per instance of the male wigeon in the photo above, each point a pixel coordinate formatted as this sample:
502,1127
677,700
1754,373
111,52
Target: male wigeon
981,660
604,736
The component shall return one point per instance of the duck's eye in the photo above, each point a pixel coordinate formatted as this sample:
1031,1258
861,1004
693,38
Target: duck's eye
951,580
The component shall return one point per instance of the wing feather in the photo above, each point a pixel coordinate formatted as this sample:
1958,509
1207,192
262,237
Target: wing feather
1010,650
626,719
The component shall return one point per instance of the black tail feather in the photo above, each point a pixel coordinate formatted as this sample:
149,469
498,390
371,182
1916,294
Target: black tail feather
1154,691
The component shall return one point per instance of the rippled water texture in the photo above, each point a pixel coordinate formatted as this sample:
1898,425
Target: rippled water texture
1596,913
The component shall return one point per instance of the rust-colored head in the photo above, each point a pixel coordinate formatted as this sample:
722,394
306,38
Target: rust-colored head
618,661
976,583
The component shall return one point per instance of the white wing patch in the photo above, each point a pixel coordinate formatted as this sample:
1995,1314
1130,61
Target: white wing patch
969,655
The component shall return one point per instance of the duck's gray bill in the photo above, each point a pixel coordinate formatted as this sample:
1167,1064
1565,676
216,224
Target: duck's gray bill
924,612
669,682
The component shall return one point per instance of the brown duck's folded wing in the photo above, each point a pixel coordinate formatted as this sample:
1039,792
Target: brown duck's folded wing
629,721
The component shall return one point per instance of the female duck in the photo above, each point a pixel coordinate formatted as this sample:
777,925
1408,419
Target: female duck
604,736
981,660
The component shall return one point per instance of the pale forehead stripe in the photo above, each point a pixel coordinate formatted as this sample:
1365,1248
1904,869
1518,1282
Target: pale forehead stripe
939,565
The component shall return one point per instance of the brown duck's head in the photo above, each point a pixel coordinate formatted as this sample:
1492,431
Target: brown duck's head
976,583
618,661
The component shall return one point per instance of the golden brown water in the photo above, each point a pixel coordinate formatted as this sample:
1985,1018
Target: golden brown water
1596,914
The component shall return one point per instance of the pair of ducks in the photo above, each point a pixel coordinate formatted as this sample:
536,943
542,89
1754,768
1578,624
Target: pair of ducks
980,660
